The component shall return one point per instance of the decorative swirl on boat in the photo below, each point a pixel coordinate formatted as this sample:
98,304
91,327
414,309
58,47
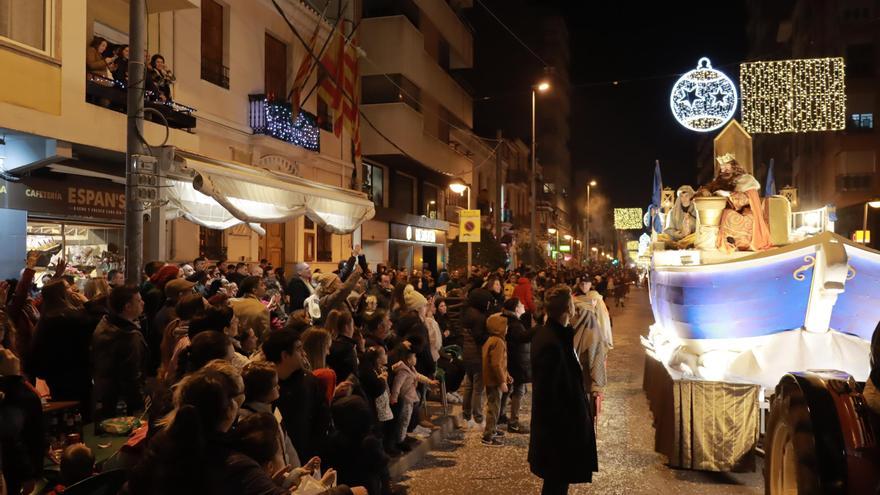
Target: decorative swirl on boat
850,272
799,273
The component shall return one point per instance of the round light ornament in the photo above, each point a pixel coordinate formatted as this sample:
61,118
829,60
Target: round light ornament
704,99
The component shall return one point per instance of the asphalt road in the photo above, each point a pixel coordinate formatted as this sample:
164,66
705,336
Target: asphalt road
627,461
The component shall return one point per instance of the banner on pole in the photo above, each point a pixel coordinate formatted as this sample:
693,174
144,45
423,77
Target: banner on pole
469,226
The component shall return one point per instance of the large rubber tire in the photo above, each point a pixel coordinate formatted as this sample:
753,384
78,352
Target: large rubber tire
791,464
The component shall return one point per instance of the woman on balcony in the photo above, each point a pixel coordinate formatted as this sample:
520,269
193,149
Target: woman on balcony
98,66
121,72
162,77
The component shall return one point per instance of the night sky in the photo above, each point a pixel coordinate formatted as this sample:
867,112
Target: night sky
617,130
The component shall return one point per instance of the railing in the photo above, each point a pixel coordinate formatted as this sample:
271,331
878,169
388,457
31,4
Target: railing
215,72
273,118
113,94
811,222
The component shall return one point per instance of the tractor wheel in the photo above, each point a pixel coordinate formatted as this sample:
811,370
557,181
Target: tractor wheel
790,466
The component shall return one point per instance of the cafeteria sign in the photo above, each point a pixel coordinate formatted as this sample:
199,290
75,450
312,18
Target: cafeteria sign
469,226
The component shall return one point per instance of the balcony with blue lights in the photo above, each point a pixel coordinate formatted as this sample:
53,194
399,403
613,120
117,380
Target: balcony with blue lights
275,119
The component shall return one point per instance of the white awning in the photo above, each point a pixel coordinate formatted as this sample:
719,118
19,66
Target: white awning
255,195
185,202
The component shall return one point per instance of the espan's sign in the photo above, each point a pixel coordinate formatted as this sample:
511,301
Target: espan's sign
74,197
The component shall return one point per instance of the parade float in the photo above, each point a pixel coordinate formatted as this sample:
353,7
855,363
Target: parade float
764,349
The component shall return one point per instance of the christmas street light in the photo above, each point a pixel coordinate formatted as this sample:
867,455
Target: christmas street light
542,87
458,187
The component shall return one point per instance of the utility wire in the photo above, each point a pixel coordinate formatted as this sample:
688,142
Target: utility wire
517,38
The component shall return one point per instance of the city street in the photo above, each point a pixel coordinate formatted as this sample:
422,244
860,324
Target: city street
627,461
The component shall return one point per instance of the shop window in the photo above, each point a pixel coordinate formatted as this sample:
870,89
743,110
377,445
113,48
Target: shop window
86,248
27,22
213,44
861,121
211,244
309,247
325,246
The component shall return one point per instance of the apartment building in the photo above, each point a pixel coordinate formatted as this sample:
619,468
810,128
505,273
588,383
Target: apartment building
63,132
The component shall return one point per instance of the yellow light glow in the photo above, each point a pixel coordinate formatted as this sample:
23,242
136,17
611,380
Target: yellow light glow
802,95
551,231
874,204
567,237
592,183
457,187
543,86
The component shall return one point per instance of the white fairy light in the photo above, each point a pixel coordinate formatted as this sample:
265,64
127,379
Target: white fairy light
704,99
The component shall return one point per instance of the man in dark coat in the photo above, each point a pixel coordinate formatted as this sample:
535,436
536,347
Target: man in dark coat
300,286
473,324
519,339
562,446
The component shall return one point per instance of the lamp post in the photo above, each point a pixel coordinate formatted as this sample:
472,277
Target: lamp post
874,203
542,87
459,187
590,184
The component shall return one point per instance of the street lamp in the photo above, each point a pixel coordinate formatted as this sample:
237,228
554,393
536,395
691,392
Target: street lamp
874,203
458,187
543,87
590,185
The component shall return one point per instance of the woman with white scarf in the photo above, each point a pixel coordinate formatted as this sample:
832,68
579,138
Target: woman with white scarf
592,340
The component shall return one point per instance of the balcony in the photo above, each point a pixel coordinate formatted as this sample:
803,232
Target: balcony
113,94
518,176
215,72
275,119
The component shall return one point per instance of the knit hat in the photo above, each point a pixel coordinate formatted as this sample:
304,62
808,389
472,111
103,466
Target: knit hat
511,304
328,283
414,300
496,324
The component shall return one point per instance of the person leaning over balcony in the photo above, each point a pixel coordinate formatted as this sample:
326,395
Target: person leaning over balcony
96,63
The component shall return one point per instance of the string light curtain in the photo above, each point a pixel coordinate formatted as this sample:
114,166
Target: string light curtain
802,95
627,218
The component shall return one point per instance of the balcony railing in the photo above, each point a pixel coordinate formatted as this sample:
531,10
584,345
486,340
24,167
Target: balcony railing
518,176
215,72
113,94
274,118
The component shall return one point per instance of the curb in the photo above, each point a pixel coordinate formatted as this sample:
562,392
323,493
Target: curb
400,465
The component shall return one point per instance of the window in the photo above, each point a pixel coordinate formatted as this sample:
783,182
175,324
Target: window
211,243
861,121
431,199
325,245
549,188
854,182
213,68
390,88
404,193
860,60
374,184
27,22
275,69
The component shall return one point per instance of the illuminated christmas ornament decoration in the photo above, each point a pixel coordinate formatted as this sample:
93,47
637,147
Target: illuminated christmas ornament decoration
704,99
627,218
801,95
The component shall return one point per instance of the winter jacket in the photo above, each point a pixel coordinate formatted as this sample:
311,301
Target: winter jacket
60,355
562,445
298,290
410,327
22,438
519,347
473,328
305,412
406,379
495,351
343,358
252,313
119,357
23,314
523,292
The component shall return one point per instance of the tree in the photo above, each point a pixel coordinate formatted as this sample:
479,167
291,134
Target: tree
524,251
486,252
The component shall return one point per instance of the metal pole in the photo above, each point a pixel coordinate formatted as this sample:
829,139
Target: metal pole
469,248
534,177
865,226
589,253
134,226
498,185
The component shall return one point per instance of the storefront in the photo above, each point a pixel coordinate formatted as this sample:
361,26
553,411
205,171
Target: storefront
410,246
77,218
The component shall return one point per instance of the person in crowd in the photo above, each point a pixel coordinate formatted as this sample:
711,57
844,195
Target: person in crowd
174,290
441,316
97,63
473,323
523,292
872,392
22,436
404,394
161,76
188,307
115,278
303,402
239,273
120,73
201,280
496,379
378,330
382,289
300,286
373,376
200,264
343,357
249,308
495,288
562,444
333,293
118,354
95,288
354,451
435,335
20,308
592,341
317,344
77,464
412,328
60,349
519,368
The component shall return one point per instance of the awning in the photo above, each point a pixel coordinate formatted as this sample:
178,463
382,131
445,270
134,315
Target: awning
256,195
185,202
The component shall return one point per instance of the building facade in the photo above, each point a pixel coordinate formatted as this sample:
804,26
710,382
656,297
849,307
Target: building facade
233,63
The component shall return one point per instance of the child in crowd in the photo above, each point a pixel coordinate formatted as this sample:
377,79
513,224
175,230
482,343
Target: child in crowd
374,380
403,391
495,376
77,464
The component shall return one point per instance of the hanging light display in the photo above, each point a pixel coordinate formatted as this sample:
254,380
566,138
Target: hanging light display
704,99
627,218
303,131
801,95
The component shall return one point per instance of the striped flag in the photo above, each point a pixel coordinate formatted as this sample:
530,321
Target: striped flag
302,74
332,75
351,85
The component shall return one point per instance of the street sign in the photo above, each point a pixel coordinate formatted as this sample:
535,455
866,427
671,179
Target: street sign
469,226
862,236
